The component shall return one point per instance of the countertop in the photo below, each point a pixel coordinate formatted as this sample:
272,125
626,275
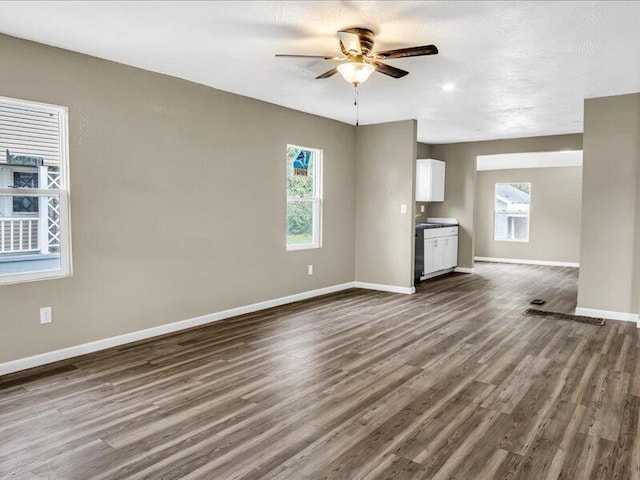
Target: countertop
424,226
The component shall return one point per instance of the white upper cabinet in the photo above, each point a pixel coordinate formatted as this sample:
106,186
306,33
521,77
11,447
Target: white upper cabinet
430,180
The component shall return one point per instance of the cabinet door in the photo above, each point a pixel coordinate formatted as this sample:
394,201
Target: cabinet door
433,255
438,254
430,180
428,256
437,181
451,251
423,180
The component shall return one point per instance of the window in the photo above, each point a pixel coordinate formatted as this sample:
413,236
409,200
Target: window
512,209
34,196
22,179
304,197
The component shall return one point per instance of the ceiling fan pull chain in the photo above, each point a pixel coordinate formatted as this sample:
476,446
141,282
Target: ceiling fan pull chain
355,102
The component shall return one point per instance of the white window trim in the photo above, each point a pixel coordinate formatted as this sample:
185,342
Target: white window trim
496,212
66,264
316,199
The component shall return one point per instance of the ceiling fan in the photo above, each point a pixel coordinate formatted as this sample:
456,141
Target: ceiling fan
356,45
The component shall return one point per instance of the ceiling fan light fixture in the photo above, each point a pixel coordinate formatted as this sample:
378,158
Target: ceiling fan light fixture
356,72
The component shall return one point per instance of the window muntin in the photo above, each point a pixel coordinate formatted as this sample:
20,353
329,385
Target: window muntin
34,207
512,211
304,197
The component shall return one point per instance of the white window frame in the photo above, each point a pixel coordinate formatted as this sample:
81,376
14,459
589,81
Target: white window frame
62,193
496,212
316,199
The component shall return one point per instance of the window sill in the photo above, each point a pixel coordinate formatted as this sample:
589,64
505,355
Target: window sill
511,241
33,277
291,248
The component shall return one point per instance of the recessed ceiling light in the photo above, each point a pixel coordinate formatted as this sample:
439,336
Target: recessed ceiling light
448,87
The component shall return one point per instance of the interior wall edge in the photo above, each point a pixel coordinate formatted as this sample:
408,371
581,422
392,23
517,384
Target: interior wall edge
610,265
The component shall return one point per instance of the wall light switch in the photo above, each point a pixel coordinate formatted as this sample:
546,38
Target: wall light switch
421,208
403,209
310,269
45,315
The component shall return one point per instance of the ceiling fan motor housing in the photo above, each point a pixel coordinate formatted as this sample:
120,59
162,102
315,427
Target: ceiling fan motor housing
366,40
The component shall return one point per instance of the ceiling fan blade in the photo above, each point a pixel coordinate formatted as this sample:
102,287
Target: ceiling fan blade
310,56
350,43
407,52
328,74
389,70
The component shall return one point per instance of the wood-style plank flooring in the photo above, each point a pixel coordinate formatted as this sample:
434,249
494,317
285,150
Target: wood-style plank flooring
453,382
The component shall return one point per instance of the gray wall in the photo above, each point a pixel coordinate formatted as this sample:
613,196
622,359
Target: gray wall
609,265
460,180
554,229
177,200
386,164
423,150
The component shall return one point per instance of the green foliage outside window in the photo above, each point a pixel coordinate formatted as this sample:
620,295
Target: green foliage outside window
300,209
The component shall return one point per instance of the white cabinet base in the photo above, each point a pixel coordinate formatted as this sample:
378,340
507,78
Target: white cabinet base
437,274
440,251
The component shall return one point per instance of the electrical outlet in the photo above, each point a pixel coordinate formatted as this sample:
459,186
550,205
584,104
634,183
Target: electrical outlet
310,269
403,209
45,315
421,208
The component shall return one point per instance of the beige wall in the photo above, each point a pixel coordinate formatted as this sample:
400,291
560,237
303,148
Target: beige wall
609,265
460,180
554,230
177,200
635,284
386,164
423,150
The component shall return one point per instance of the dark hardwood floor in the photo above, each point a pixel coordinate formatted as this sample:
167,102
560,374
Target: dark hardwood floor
453,382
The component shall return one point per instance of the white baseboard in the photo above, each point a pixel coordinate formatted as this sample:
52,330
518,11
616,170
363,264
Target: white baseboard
608,314
82,349
464,270
527,262
385,288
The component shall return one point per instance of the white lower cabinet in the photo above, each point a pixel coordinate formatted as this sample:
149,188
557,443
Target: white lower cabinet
451,252
434,253
440,249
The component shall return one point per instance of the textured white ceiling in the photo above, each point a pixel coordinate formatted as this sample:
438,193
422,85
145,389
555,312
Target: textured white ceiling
520,68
